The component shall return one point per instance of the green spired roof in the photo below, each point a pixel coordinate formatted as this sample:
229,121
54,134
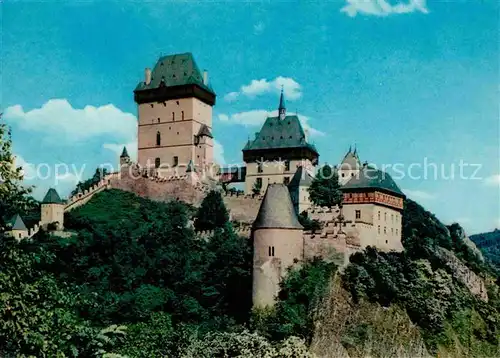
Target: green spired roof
175,70
52,197
190,167
301,178
124,153
204,131
276,133
276,210
371,178
17,223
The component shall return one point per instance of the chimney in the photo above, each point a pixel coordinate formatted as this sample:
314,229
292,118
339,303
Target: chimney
147,76
205,78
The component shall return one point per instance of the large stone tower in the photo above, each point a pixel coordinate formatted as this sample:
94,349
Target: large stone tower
277,244
175,116
52,210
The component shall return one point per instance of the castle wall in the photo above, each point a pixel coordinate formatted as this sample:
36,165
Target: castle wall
243,208
177,121
275,250
272,172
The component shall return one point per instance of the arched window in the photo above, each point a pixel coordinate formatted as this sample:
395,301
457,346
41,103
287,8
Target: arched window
158,138
157,162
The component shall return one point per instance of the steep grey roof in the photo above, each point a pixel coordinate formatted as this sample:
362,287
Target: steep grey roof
300,178
371,178
351,160
276,133
175,70
276,210
17,223
124,153
204,131
52,197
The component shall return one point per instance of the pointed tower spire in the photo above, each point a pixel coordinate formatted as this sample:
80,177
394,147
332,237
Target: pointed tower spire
282,108
355,150
124,153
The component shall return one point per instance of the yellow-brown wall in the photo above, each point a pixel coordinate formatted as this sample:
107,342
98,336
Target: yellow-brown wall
269,270
178,121
52,213
272,172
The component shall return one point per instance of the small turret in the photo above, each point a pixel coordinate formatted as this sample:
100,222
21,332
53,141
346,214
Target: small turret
16,228
124,157
278,243
52,210
282,108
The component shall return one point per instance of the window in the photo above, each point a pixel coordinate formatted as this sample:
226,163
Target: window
287,165
286,180
379,229
173,116
271,250
396,231
182,115
164,103
20,235
352,174
386,241
176,161
343,175
385,230
379,215
385,216
358,214
158,138
392,231
152,105
158,120
259,182
259,167
392,218
157,162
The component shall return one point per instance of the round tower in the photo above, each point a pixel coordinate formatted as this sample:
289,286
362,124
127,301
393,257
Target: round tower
277,244
52,210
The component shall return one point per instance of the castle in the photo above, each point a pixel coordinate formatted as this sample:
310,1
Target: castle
176,162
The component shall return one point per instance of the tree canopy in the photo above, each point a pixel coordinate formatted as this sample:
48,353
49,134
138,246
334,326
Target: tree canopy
212,213
325,187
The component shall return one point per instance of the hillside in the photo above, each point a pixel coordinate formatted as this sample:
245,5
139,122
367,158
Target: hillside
489,244
134,279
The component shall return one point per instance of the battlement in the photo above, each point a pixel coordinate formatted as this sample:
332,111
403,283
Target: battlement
82,198
244,231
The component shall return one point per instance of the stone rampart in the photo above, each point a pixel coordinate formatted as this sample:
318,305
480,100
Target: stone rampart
243,208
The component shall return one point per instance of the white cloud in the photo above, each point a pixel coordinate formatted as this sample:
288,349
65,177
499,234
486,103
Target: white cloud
493,180
258,116
383,7
291,89
419,194
62,123
219,153
118,148
231,96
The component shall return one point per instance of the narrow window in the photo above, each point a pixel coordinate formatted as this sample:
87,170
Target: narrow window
152,105
157,162
272,251
343,175
385,216
286,180
287,165
379,229
396,231
358,214
259,182
392,231
259,167
20,235
379,215
158,138
182,114
164,104
158,120
176,161
173,116
269,250
385,230
386,241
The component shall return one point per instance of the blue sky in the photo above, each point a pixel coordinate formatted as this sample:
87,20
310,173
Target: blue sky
410,82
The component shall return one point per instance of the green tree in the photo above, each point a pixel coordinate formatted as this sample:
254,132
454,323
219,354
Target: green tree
325,188
14,197
212,213
257,187
308,224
